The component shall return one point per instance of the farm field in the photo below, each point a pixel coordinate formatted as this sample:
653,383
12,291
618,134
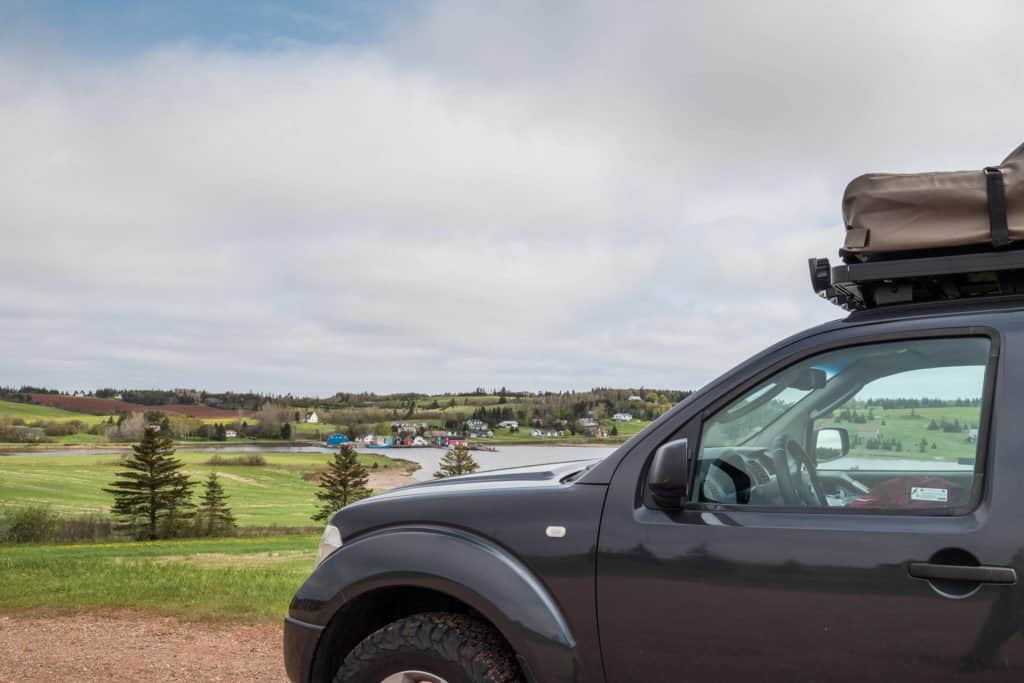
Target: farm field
218,578
107,406
278,493
32,411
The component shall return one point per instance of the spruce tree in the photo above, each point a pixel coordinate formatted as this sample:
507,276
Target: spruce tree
152,495
344,482
180,509
455,462
214,518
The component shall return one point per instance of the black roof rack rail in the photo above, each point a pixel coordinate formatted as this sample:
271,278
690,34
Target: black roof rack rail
872,284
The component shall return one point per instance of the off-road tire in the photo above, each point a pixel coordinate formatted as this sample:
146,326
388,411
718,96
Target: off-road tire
455,647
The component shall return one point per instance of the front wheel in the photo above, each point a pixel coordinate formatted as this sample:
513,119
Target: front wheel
434,647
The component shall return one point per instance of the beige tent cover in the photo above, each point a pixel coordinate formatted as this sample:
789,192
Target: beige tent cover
898,212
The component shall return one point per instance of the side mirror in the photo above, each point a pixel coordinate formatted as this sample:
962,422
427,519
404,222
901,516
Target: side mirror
831,443
669,477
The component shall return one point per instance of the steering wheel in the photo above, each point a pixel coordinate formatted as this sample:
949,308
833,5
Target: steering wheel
789,458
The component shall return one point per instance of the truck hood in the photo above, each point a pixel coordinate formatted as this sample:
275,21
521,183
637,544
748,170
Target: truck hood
484,501
503,480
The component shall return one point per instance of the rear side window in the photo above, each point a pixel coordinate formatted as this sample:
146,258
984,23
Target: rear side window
887,426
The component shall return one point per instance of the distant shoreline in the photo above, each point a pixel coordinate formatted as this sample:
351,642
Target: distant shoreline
8,448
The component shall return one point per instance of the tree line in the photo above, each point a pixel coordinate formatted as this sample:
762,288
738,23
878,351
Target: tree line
613,399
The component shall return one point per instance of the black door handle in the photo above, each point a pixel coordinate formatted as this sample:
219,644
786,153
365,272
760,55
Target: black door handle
956,572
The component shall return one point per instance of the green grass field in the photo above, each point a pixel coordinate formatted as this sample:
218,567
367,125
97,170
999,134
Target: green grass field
910,428
31,411
250,578
277,493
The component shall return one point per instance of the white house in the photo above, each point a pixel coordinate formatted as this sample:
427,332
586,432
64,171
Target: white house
404,427
587,422
312,418
230,433
634,397
509,424
622,417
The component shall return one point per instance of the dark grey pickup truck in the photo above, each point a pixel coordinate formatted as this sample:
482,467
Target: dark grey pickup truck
847,505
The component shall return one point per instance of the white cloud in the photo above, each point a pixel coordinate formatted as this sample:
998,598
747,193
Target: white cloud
536,195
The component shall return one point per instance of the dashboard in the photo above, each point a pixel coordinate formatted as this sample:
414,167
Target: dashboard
746,476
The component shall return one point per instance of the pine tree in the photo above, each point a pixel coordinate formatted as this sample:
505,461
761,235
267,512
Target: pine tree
180,509
343,483
152,495
455,462
214,516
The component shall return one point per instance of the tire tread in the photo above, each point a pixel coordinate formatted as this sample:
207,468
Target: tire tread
469,644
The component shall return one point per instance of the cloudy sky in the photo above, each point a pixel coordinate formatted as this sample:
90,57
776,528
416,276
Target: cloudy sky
312,197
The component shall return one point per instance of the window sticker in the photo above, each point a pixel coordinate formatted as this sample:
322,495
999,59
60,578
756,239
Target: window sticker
929,494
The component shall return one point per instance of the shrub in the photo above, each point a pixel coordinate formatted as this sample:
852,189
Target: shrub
85,528
31,524
39,524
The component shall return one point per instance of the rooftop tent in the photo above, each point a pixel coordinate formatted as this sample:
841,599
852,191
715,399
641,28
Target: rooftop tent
888,213
929,237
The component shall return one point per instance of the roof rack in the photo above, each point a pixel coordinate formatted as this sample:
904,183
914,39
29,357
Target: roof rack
877,283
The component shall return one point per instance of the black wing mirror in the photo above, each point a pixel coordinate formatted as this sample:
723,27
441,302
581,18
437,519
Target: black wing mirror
669,477
831,443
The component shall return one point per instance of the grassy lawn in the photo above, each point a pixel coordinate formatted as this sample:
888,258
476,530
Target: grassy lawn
315,432
277,493
205,578
628,429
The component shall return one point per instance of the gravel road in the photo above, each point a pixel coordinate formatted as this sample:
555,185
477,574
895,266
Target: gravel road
123,645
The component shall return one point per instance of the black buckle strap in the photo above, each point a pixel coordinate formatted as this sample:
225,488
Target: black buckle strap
998,223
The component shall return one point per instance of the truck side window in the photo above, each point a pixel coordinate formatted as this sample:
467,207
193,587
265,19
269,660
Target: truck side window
891,426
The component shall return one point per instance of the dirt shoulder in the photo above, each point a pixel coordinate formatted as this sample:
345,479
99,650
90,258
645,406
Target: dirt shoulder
127,645
385,480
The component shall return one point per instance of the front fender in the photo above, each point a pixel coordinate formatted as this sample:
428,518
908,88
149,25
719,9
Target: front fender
469,568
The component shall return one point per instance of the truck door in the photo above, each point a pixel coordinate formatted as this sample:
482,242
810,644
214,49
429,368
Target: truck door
852,514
